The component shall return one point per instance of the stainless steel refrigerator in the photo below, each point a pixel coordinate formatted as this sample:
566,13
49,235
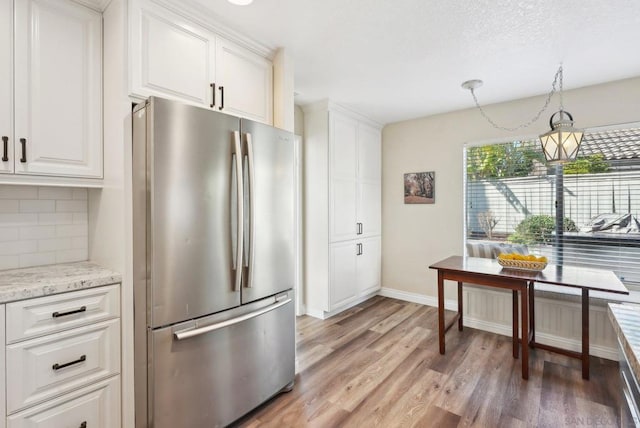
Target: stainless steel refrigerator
213,215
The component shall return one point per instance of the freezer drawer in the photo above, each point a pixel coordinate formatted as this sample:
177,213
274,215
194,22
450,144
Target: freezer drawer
213,378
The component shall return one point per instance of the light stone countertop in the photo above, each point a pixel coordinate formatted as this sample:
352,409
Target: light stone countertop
26,283
625,319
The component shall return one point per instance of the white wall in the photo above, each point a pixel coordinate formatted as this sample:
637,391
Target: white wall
415,236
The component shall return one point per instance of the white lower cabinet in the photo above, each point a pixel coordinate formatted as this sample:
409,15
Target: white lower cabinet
62,360
42,368
354,271
96,406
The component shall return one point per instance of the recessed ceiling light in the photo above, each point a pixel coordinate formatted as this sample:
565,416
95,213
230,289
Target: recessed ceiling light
240,2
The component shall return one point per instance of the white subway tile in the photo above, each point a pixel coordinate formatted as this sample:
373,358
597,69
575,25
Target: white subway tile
9,262
80,242
18,192
46,192
14,248
37,206
19,219
80,194
73,230
71,206
37,259
71,255
9,206
9,234
55,244
55,218
37,232
80,218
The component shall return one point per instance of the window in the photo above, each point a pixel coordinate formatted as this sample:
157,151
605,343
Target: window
513,197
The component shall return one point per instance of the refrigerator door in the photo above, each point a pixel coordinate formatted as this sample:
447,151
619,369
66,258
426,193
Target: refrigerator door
212,374
269,227
193,174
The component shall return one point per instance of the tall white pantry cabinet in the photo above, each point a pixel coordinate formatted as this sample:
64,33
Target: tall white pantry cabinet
342,206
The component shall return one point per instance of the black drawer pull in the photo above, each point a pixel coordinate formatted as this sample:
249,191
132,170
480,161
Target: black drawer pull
5,153
221,97
83,424
57,366
64,314
23,142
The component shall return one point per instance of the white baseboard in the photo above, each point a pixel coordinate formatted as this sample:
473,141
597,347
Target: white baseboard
502,329
323,315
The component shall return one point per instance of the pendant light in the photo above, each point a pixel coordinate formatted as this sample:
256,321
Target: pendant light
562,142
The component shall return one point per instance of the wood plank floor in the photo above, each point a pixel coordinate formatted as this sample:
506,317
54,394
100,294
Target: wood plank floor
377,365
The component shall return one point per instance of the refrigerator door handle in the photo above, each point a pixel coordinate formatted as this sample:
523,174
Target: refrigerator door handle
251,191
237,158
186,334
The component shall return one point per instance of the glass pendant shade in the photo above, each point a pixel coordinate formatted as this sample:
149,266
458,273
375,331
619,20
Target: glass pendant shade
562,143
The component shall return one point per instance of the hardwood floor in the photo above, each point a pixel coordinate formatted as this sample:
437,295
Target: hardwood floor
377,364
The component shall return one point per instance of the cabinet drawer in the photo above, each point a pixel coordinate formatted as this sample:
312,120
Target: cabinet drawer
97,406
50,314
45,367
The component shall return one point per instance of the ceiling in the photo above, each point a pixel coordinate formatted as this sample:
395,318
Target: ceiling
393,60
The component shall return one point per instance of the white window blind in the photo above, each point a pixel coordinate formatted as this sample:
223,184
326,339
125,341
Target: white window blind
511,197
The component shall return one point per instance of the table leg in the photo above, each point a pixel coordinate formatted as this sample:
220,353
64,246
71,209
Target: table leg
532,313
514,322
524,295
585,333
460,306
441,311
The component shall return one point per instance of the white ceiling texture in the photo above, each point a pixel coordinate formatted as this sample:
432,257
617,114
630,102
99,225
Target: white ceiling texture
394,60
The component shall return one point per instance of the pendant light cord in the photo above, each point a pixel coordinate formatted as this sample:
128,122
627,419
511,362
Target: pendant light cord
557,79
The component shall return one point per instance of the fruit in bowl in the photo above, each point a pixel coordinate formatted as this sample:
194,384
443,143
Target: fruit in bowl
528,262
522,257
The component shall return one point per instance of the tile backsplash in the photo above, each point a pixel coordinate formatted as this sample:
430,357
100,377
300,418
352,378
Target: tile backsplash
42,225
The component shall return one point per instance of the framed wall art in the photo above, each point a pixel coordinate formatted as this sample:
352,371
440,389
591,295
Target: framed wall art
419,187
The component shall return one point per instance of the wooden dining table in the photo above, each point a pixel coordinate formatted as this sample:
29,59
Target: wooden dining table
487,272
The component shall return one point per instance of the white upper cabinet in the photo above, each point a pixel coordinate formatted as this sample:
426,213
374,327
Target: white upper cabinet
6,86
58,89
343,146
245,82
171,57
174,57
355,190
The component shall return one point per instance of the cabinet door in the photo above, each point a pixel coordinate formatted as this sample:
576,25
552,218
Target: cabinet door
343,281
369,179
58,89
368,269
96,406
343,188
170,56
6,86
245,82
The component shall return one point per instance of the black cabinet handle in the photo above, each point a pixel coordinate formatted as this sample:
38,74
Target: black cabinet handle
221,97
5,142
63,314
359,253
83,424
213,94
23,141
57,366
359,225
